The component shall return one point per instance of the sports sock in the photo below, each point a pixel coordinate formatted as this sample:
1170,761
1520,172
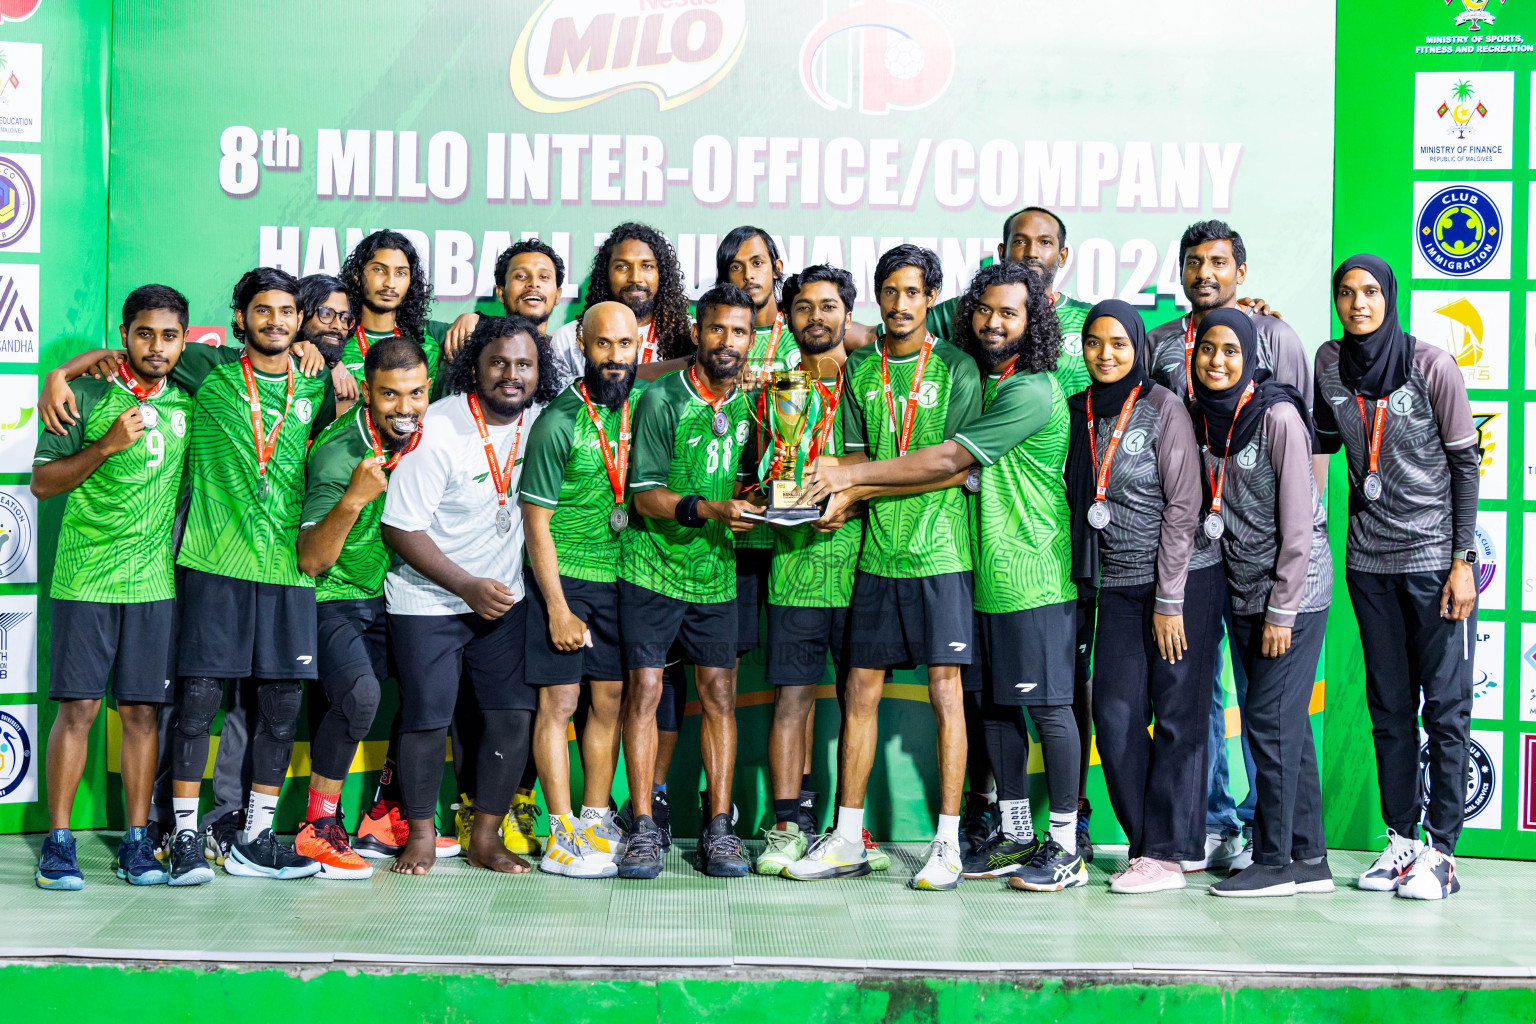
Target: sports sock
321,805
850,824
387,789
136,833
185,810
592,813
1018,822
805,783
60,835
258,816
784,810
569,821
990,795
1064,830
660,787
949,829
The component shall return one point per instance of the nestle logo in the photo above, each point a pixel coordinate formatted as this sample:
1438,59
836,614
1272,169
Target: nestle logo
573,53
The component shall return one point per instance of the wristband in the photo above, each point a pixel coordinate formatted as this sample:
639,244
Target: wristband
687,513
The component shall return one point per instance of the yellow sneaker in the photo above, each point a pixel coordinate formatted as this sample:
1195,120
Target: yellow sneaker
463,818
517,828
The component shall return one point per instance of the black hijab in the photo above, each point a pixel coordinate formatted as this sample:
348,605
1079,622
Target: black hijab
1107,400
1214,412
1375,365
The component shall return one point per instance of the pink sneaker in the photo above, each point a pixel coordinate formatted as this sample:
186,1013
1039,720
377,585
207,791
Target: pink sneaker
1147,875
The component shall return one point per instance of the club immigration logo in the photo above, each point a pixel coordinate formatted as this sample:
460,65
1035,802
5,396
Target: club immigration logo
1459,230
15,754
902,52
1482,777
573,53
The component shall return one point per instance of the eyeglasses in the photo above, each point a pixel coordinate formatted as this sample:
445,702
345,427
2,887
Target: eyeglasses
326,315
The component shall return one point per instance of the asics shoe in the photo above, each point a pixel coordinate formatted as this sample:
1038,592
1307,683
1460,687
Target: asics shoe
942,871
568,853
1084,841
878,859
220,835
1432,877
643,853
325,842
1004,855
1392,864
136,861
57,867
720,852
188,865
267,857
781,848
979,823
1052,868
518,828
831,856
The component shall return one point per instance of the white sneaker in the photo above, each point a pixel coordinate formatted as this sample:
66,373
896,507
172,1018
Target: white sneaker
1392,866
605,835
1244,858
1432,877
831,856
942,870
568,853
1147,875
1220,851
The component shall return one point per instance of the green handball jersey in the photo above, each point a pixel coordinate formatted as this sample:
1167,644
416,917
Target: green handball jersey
785,357
1023,539
358,572
917,534
232,530
116,540
813,569
1071,372
676,447
352,354
564,471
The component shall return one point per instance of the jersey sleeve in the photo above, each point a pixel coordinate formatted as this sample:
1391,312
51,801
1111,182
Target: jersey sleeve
655,430
1178,473
1448,398
1289,357
1291,454
549,449
326,479
941,319
198,361
50,446
1019,410
965,396
850,414
416,487
1325,425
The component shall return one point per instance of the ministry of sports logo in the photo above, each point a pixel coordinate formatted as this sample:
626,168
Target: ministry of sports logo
1459,230
15,754
18,202
901,49
1474,14
1482,777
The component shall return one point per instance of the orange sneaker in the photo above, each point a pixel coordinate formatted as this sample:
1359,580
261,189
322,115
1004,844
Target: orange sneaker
326,841
879,860
382,833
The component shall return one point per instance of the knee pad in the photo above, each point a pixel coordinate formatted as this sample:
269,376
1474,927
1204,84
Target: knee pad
278,704
200,701
358,704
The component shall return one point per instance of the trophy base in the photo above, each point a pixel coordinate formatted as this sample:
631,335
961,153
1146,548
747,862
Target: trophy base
796,516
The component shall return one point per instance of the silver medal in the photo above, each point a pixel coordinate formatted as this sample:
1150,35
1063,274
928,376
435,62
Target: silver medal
973,479
1098,515
1214,527
1372,487
148,414
503,520
720,424
618,519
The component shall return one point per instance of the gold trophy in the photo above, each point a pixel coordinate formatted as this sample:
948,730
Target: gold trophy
789,405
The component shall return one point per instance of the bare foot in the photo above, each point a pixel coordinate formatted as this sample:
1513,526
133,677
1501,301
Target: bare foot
420,852
486,849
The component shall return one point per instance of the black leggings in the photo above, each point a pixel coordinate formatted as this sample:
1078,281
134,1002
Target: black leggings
1008,748
503,753
351,701
277,704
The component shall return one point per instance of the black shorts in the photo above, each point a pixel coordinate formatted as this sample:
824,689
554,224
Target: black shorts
92,640
1028,657
351,637
650,622
903,623
799,640
596,604
234,629
433,651
752,567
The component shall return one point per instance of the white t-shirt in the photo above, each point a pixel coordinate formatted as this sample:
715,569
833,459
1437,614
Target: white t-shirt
566,350
444,489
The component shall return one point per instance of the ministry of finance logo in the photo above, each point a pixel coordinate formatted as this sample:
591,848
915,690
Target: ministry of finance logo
901,49
15,754
1458,232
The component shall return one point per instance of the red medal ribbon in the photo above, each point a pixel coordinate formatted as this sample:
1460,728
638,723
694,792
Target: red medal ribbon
1102,487
829,401
362,339
265,444
501,478
616,467
1375,433
378,449
704,393
1013,364
1189,356
141,393
910,413
1217,483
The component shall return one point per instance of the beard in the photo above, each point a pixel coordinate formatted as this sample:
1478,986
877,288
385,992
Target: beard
268,346
816,345
604,390
541,319
392,433
504,406
720,363
996,353
327,342
642,308
1219,298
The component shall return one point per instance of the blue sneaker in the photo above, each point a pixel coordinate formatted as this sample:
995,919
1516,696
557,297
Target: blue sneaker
56,864
136,860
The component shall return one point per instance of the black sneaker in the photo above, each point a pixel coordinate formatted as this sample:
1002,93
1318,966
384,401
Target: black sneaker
1084,843
720,854
188,867
220,835
1050,869
1004,855
661,815
643,851
267,857
160,835
1312,877
1258,880
980,823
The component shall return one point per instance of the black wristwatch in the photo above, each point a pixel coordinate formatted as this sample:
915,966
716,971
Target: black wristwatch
1469,556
